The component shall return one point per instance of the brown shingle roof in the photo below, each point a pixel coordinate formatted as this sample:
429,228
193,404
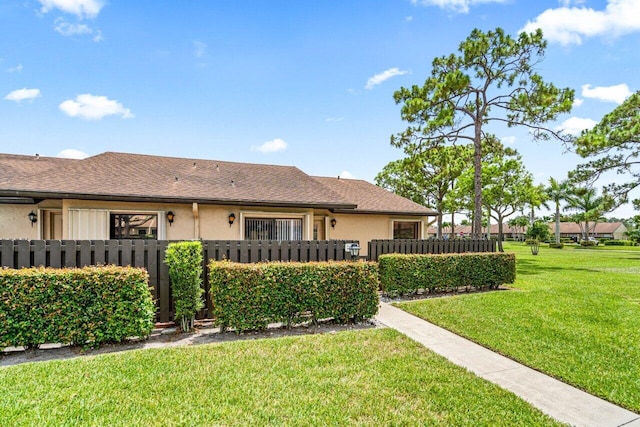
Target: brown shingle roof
125,176
14,166
370,198
601,227
137,177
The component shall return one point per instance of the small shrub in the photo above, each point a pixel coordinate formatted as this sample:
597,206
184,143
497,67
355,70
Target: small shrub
587,243
566,240
250,296
406,274
185,271
86,306
531,241
556,245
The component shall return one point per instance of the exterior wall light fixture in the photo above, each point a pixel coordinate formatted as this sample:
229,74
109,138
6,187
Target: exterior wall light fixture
33,217
232,217
354,250
333,223
170,217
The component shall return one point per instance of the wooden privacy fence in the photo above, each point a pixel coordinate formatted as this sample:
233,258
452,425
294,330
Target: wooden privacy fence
428,246
149,254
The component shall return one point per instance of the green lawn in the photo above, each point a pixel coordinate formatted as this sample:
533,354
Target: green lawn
370,377
575,314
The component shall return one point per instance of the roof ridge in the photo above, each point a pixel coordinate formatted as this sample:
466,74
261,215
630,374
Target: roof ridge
157,156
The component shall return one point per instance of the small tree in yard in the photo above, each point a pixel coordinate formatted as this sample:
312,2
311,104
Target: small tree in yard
492,80
539,231
185,271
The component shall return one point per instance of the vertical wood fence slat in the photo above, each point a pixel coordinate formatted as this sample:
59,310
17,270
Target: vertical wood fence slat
39,253
99,252
164,290
114,252
85,253
55,253
138,257
126,249
7,253
152,267
24,254
69,253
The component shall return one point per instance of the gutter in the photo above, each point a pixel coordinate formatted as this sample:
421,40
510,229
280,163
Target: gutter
20,194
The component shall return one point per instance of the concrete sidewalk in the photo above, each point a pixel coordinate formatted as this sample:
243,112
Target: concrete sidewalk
557,399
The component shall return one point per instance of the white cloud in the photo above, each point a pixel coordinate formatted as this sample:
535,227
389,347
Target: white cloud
68,29
270,146
16,69
346,175
80,8
92,107
333,119
98,36
577,102
617,93
459,6
575,125
385,75
199,49
509,140
408,18
567,3
570,25
23,94
72,153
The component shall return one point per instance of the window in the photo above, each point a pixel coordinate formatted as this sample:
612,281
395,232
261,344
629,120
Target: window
133,226
273,229
406,230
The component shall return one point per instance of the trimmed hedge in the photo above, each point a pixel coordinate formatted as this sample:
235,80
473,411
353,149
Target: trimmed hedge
406,274
587,243
184,260
250,296
556,245
86,306
619,243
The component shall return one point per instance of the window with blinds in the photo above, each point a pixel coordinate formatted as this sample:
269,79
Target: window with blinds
273,229
406,230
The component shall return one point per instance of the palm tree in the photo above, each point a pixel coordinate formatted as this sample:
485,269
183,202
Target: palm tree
589,205
557,191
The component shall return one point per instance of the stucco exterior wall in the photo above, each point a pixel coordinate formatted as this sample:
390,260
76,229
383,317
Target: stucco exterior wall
15,223
366,227
619,233
207,222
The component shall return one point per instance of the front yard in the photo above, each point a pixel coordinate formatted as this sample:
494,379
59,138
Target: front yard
370,377
574,314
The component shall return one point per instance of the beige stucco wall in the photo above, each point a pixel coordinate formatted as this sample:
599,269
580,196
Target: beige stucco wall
15,223
208,222
619,233
366,227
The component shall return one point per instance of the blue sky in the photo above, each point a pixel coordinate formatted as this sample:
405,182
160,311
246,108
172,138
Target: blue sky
304,83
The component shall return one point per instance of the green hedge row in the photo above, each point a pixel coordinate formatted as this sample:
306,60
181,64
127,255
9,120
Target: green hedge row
250,296
406,274
85,306
619,243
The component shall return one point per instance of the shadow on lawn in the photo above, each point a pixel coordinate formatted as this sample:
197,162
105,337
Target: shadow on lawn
530,267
